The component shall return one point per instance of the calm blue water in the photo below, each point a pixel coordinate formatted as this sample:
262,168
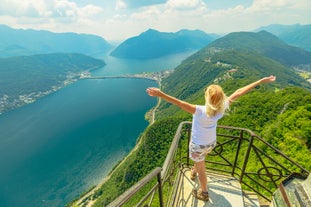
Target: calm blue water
56,148
117,66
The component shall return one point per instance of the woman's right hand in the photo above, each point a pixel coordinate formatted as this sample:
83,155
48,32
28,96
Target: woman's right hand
152,91
269,79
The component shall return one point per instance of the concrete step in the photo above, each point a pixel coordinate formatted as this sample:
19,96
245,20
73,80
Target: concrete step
224,191
250,199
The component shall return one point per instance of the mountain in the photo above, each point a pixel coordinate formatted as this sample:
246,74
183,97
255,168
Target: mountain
296,35
232,61
261,110
279,112
17,42
27,78
154,44
266,44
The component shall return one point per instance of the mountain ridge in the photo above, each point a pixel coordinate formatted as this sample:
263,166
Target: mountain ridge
279,112
154,44
265,44
214,63
17,42
297,35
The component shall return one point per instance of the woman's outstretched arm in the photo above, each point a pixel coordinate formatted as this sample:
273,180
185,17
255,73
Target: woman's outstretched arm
182,104
241,91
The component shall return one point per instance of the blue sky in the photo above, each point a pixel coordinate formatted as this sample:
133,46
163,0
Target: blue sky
121,19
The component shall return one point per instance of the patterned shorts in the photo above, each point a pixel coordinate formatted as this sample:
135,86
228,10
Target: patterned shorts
199,152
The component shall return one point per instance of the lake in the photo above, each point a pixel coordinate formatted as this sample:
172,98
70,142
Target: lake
58,147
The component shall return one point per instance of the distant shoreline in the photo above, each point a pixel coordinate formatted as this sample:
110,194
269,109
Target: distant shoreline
155,76
8,104
24,99
86,199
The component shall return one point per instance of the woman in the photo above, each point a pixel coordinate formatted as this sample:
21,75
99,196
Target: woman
204,124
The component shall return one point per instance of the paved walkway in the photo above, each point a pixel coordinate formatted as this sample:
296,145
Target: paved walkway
224,191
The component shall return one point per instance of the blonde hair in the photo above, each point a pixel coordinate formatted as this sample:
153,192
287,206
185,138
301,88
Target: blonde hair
214,100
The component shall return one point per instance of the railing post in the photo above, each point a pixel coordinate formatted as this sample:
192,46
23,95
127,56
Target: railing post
123,198
246,157
237,153
189,134
163,175
160,190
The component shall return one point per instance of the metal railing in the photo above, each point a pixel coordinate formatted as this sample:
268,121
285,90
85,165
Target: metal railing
258,165
121,200
165,173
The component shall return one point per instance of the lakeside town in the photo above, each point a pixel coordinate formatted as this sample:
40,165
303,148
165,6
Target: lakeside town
155,76
8,103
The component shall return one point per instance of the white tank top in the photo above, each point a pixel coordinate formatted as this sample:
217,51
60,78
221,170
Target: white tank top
204,126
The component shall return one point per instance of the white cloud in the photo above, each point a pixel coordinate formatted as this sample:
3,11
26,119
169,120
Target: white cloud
266,5
120,5
260,13
184,4
117,20
54,15
149,13
304,5
64,8
20,8
174,16
90,11
132,4
46,8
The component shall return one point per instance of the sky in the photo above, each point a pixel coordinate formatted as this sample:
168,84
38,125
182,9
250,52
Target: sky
117,20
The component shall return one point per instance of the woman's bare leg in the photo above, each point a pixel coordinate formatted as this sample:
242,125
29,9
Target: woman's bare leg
200,168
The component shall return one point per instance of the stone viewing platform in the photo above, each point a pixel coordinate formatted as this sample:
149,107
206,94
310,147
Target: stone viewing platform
233,181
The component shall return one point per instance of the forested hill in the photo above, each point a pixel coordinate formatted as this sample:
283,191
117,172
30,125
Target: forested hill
232,68
297,34
230,58
27,78
154,44
279,112
266,44
17,42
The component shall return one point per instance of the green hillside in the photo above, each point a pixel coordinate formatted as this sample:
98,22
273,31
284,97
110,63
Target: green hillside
266,44
279,112
263,109
26,78
296,34
233,68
